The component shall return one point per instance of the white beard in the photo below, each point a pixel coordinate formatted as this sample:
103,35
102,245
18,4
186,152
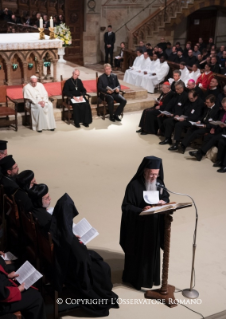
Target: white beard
150,186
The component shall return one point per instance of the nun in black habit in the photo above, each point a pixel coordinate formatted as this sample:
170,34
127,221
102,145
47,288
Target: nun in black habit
80,269
141,237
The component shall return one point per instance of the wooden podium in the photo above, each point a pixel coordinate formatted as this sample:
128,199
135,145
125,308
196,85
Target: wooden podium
166,292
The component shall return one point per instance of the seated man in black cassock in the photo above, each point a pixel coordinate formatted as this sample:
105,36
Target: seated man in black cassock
3,149
110,80
142,236
9,169
74,89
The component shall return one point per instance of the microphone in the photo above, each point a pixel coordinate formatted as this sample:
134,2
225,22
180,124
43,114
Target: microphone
189,292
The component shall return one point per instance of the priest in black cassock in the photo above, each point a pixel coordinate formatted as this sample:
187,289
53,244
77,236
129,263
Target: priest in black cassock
141,237
74,89
9,169
3,149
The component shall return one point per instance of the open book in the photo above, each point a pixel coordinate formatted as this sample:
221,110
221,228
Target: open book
113,90
85,231
28,274
9,256
165,113
196,124
83,100
223,135
163,208
180,117
217,123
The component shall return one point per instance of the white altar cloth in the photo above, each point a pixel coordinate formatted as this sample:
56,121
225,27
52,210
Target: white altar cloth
27,41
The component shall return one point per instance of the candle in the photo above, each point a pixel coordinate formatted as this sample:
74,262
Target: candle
51,22
41,23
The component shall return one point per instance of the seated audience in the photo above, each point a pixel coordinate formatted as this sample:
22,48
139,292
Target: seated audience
141,47
178,47
213,88
144,68
6,15
148,122
221,51
215,134
162,44
3,149
184,72
176,79
74,89
119,57
152,67
128,76
180,57
201,45
192,112
191,85
41,108
175,107
168,50
222,60
78,268
204,79
210,114
149,49
200,62
9,170
25,180
36,23
196,51
187,48
173,55
155,78
15,19
194,74
215,68
108,79
191,59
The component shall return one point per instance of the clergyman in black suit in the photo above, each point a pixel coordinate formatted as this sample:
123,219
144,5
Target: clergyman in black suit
109,80
109,41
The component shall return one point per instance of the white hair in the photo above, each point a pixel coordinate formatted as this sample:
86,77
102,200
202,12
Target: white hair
150,186
33,77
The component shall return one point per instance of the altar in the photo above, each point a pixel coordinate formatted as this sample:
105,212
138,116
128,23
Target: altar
23,55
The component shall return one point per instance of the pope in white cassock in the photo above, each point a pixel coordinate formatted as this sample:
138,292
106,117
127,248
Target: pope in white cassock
149,82
144,68
131,73
41,108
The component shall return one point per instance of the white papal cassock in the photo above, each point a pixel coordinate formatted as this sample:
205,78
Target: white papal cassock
128,76
42,117
149,82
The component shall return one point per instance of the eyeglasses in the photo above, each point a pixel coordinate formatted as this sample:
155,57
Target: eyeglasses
154,175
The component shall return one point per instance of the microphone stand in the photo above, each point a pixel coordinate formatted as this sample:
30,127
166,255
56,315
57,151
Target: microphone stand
189,292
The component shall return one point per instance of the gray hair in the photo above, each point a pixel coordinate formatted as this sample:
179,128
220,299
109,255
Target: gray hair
177,72
33,77
181,84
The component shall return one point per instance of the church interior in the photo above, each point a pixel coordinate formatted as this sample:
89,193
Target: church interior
83,84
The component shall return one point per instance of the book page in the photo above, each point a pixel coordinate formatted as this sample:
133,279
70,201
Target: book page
81,228
157,209
91,234
165,112
196,124
28,274
224,135
9,256
216,123
83,100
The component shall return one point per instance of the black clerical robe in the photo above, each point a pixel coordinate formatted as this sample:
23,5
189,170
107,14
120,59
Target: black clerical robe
81,111
22,198
29,302
9,184
148,121
141,237
80,269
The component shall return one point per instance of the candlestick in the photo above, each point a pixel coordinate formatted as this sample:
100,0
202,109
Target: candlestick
41,34
51,22
41,23
51,33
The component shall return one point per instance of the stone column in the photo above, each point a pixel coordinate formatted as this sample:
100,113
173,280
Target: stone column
40,69
54,69
25,66
9,68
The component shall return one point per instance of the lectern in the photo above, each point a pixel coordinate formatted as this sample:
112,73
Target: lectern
166,292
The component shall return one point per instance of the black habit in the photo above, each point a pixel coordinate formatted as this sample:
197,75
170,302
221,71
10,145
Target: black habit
81,111
141,236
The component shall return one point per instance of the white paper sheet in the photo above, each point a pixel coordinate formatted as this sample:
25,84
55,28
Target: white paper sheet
165,112
83,100
9,256
224,135
28,274
151,197
85,231
196,124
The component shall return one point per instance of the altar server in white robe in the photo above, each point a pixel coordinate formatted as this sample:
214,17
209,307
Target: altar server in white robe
41,108
194,74
156,77
154,66
128,76
184,72
144,68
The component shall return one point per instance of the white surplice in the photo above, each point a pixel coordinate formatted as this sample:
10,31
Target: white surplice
153,67
144,67
128,76
194,76
184,74
149,82
42,117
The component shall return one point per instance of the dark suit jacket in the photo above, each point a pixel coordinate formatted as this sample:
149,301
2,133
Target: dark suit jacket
103,82
210,114
109,39
193,110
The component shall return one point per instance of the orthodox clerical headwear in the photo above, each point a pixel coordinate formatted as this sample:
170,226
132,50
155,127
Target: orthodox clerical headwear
24,179
7,162
3,145
36,193
150,162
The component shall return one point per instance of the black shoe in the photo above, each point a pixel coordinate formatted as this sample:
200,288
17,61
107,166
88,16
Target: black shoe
166,141
183,148
39,131
192,153
86,125
77,125
222,170
197,155
143,133
139,131
111,118
117,118
217,164
52,129
174,147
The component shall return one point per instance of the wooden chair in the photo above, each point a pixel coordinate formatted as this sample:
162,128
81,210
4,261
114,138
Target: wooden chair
102,104
6,111
46,255
66,103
